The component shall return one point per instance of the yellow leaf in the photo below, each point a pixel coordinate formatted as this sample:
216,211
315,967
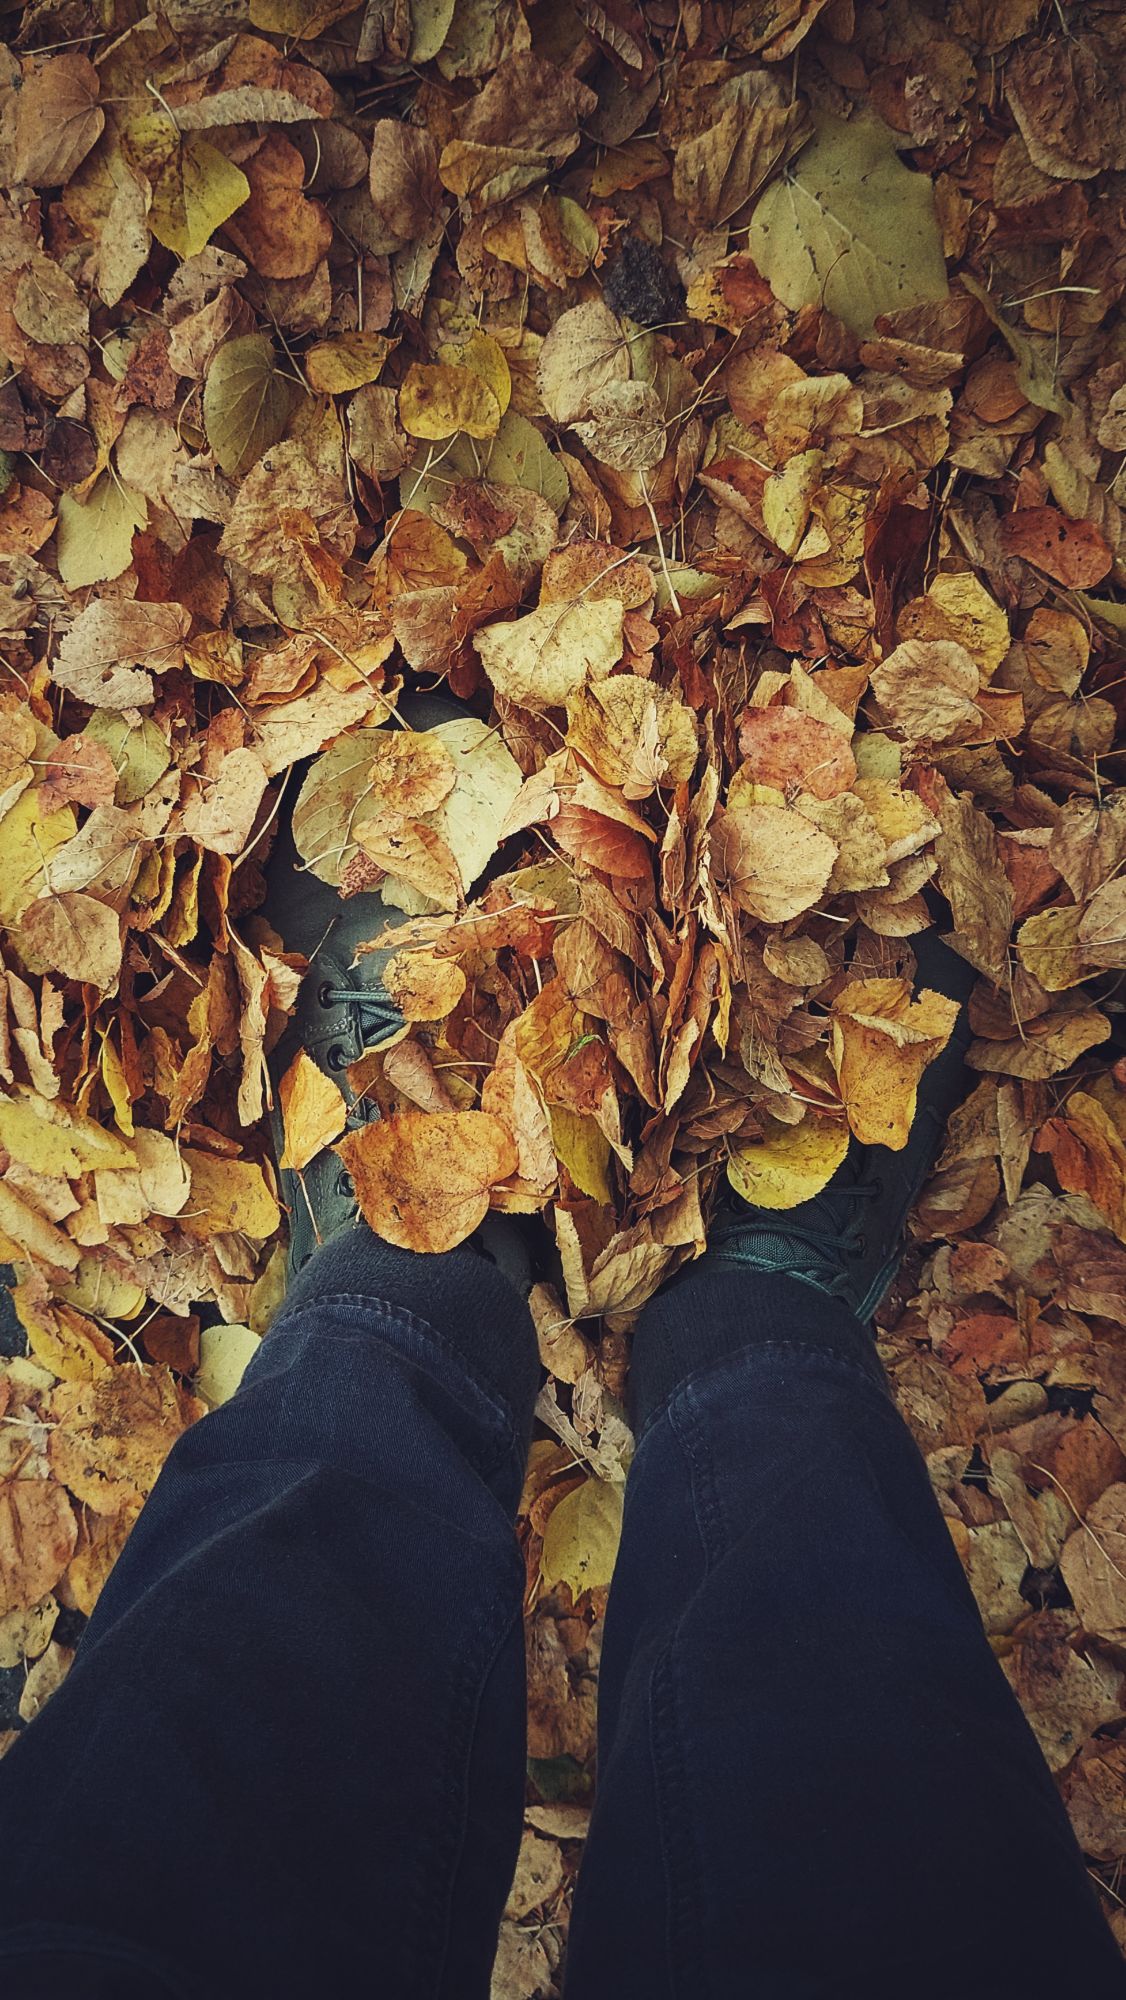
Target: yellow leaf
1048,945
423,987
333,367
95,539
225,1353
423,1179
228,1195
52,1139
541,659
313,1112
584,1150
786,499
195,192
65,1341
790,1164
849,228
94,1288
580,1543
117,1086
29,836
484,357
882,1041
436,402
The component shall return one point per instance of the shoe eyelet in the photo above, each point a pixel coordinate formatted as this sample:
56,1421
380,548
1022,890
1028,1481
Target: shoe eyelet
324,995
857,1247
344,1184
337,1056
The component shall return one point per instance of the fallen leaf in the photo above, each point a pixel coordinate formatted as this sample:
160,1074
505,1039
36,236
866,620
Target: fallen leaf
774,861
225,1353
424,1181
38,1532
436,402
73,935
1073,552
850,228
580,1543
246,402
789,1164
540,660
783,747
313,1114
58,119
882,1041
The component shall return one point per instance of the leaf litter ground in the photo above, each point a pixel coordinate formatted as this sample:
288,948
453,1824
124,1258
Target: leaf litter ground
727,405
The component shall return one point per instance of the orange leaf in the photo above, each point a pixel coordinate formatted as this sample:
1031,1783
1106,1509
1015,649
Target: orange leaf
423,1180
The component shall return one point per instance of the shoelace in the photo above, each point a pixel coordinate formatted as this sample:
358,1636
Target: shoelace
825,1232
373,1011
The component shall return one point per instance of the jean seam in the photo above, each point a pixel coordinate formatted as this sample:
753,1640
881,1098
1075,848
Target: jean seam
684,1420
853,1370
403,1316
439,1861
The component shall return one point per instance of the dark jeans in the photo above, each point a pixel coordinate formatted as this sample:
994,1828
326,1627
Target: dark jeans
289,1758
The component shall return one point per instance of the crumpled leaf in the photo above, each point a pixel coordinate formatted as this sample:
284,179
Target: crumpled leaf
424,1181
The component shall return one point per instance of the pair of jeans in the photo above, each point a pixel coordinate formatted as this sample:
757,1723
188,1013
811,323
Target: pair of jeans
289,1757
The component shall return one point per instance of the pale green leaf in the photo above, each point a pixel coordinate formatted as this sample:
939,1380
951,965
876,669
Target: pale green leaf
580,1542
95,540
246,403
849,227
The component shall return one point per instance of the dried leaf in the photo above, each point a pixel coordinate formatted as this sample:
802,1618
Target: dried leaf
313,1114
850,228
424,1182
789,1164
882,1041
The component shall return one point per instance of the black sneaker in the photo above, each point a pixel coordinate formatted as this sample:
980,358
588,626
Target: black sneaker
848,1240
342,1009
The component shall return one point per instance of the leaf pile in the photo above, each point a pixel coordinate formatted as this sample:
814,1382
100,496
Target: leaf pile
726,404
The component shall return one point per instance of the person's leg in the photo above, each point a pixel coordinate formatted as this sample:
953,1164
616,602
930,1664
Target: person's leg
813,1778
289,1757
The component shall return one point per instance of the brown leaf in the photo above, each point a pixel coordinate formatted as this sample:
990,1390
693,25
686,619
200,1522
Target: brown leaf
783,747
774,862
58,119
1073,552
38,1532
74,935
278,229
